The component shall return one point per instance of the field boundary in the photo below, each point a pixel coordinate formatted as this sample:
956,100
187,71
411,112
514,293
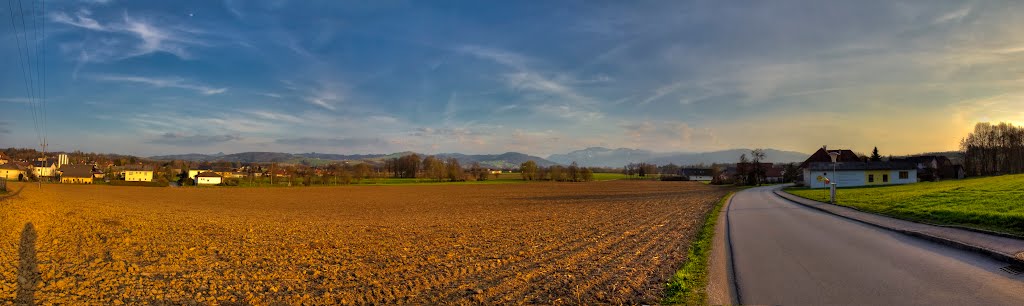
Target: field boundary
689,284
982,245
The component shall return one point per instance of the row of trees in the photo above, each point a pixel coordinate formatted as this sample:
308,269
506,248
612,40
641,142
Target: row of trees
435,168
993,149
573,173
640,169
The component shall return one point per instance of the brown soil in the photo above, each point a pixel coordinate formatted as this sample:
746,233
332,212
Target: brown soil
614,242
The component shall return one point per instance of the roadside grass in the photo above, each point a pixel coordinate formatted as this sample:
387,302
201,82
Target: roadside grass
988,203
688,284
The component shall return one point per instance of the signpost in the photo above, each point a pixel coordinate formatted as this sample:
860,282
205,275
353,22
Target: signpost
835,156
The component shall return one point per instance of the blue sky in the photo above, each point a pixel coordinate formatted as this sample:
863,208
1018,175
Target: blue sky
539,77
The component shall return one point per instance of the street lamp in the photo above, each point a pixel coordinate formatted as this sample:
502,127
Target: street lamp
835,156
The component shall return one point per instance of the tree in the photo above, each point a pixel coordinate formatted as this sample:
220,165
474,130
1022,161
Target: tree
529,170
477,172
586,175
757,172
875,157
433,168
791,173
454,170
573,172
741,172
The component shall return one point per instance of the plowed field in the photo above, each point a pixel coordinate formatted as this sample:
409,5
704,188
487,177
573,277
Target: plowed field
548,243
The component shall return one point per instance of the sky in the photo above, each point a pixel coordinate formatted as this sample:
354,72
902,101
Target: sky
538,77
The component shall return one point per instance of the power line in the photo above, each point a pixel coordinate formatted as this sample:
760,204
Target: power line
23,61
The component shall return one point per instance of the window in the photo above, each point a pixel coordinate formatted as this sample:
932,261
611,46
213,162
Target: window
871,178
904,175
885,178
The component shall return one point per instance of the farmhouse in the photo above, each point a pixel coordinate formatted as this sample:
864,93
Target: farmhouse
697,174
12,171
851,174
192,173
138,173
76,174
44,168
3,158
934,168
822,156
208,178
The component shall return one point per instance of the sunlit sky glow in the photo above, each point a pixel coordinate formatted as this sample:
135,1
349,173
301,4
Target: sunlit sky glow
539,77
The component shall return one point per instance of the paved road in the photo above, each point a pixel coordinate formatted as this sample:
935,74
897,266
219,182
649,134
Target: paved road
787,254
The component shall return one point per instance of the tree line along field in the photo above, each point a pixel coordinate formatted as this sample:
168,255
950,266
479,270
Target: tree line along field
504,178
989,203
610,242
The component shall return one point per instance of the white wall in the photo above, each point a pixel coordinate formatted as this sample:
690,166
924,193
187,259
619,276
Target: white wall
894,177
853,178
208,180
700,177
847,178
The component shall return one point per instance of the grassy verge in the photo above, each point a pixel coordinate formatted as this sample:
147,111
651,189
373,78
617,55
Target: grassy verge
987,203
687,286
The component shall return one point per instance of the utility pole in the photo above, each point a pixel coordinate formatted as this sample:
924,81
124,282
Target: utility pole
39,179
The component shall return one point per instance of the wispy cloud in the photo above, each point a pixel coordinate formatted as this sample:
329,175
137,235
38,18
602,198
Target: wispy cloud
327,95
168,82
955,15
16,100
130,37
3,128
556,96
335,142
192,140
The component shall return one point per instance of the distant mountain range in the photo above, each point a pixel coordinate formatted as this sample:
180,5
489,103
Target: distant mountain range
589,157
605,157
506,160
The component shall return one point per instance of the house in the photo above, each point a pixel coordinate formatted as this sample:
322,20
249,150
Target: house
822,156
43,167
209,178
97,173
934,168
12,171
76,174
857,173
138,173
192,173
697,174
774,174
3,159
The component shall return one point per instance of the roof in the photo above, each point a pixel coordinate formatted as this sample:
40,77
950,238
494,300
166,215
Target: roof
43,163
816,166
138,168
12,166
83,171
208,174
939,160
821,156
696,171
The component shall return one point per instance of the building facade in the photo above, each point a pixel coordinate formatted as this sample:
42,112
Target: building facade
12,172
854,174
138,174
208,178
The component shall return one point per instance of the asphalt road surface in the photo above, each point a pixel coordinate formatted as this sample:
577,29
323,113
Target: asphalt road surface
787,254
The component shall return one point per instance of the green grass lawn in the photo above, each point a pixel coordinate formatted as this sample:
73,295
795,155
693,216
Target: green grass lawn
989,203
